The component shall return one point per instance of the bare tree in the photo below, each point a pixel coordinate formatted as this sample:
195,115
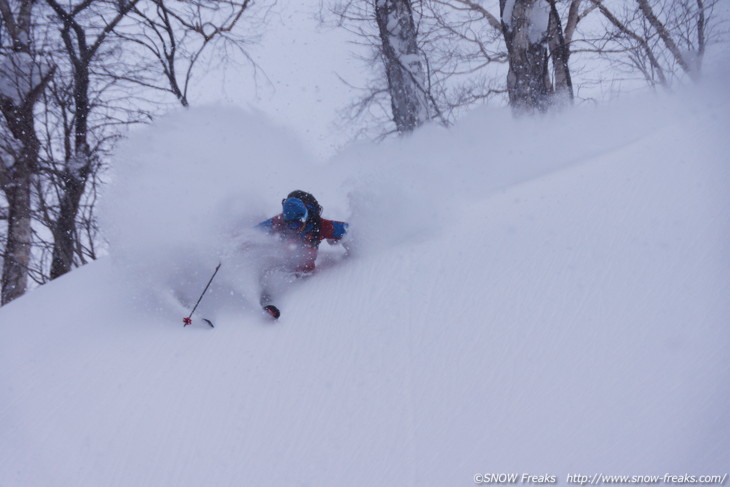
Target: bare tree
23,77
79,23
549,51
525,28
176,34
666,37
400,96
477,41
70,78
403,62
559,48
663,40
465,52
113,107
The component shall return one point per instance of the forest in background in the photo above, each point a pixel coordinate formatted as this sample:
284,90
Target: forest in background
76,75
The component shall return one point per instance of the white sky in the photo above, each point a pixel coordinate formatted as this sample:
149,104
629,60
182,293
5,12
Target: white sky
301,61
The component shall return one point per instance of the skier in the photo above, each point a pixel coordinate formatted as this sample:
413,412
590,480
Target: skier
301,227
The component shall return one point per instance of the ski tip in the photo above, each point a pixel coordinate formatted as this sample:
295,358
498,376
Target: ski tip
272,311
209,322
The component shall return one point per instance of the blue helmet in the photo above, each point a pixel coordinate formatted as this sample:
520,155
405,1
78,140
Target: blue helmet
294,209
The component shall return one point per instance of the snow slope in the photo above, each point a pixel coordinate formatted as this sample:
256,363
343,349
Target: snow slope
555,304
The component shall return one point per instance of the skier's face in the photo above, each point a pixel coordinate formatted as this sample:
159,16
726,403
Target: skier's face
296,225
295,214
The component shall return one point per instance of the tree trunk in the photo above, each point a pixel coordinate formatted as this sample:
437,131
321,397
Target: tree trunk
81,53
525,30
403,63
73,179
23,81
17,187
666,37
560,54
16,258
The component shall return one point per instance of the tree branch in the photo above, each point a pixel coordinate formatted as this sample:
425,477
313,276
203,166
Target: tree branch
642,41
493,21
664,35
9,19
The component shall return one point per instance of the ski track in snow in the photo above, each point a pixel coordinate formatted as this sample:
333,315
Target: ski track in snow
574,322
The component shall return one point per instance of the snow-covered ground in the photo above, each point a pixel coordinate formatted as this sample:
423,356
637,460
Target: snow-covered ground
544,296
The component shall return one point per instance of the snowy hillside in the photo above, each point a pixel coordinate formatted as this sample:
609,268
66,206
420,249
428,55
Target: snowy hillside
542,296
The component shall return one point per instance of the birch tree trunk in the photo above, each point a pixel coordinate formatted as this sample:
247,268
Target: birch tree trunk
22,80
16,258
525,29
403,63
560,54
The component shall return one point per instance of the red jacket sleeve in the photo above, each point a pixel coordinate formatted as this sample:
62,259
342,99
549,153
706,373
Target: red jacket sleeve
332,230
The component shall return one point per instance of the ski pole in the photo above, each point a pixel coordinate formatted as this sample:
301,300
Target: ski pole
187,320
